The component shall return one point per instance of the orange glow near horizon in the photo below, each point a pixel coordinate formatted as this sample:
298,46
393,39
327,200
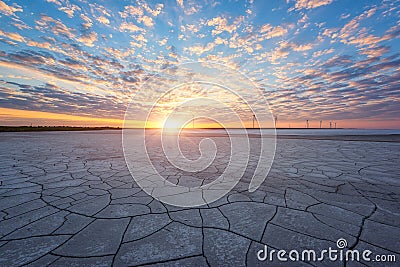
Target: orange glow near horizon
11,117
16,117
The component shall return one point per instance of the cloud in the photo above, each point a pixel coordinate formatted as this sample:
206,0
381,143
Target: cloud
348,29
304,19
139,41
88,39
128,26
199,49
341,88
153,12
277,55
221,24
192,10
370,12
9,10
70,10
351,28
131,11
47,23
138,12
54,2
268,31
71,72
118,54
163,42
338,61
44,45
180,3
99,9
310,4
194,28
220,40
345,16
66,7
375,52
87,22
368,44
26,58
323,52
146,20
20,24
13,36
302,47
103,20
53,98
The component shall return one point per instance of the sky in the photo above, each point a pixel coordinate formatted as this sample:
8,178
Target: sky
65,62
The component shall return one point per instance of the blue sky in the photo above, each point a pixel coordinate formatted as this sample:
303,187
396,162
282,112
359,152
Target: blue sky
327,60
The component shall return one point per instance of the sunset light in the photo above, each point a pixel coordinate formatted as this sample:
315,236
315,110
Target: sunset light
199,133
313,60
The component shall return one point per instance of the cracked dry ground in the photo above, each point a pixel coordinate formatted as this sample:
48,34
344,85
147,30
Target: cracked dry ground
67,199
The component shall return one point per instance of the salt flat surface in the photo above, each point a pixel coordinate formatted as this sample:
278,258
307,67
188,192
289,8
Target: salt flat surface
68,199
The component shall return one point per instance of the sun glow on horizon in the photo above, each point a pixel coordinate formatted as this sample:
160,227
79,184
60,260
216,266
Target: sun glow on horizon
15,117
335,61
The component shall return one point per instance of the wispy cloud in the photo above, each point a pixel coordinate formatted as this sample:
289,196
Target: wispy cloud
9,10
310,4
320,59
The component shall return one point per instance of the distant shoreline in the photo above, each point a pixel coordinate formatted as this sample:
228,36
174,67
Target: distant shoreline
89,128
79,128
52,128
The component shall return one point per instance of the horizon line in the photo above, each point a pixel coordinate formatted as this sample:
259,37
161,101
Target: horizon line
2,127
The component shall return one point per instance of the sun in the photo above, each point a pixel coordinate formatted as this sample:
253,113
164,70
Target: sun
176,124
172,124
